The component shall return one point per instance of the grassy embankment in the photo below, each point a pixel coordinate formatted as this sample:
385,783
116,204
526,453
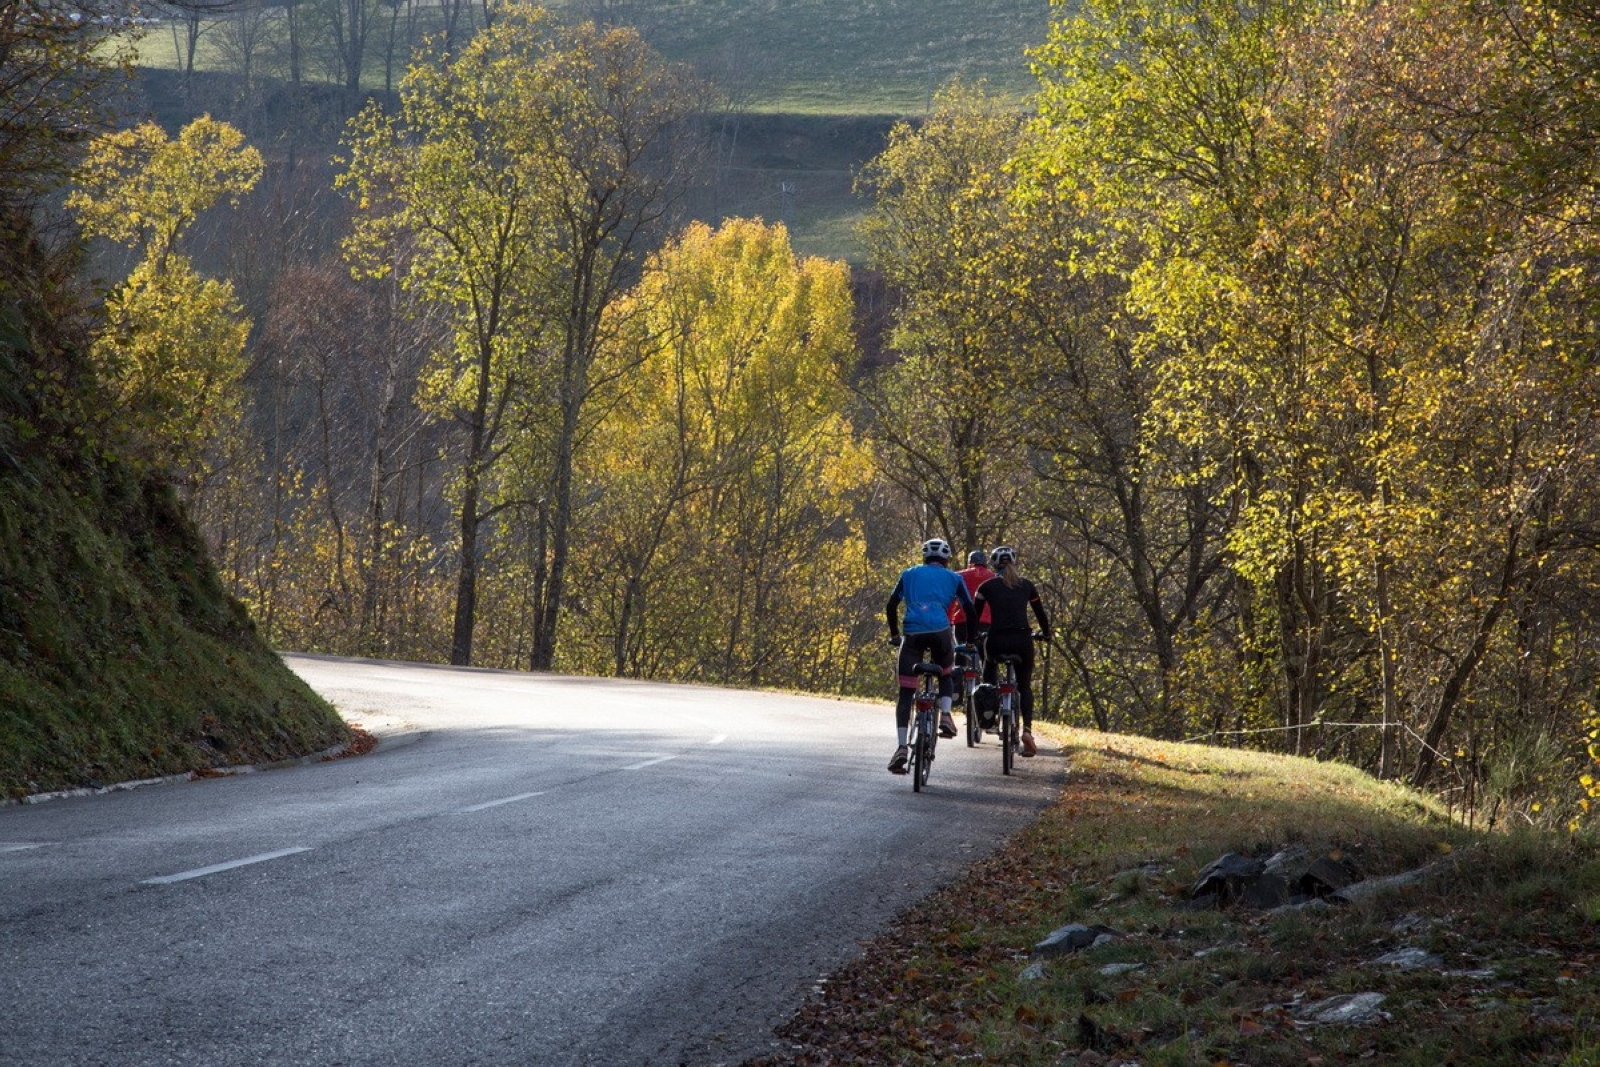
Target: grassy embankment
121,657
1514,919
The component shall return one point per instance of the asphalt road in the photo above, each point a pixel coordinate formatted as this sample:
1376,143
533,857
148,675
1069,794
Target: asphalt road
528,870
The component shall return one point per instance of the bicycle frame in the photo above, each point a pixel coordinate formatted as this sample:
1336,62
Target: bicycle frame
924,734
969,661
1010,712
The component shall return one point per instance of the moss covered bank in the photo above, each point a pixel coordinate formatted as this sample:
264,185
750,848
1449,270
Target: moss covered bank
121,657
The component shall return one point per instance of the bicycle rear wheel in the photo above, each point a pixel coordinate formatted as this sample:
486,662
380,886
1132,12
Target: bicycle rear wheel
1009,698
925,762
1008,740
916,754
974,731
927,726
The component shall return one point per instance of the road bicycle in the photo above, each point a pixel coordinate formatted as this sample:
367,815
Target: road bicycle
969,671
924,734
1011,704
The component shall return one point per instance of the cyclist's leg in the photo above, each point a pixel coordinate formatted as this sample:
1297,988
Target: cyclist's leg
942,650
902,705
1025,692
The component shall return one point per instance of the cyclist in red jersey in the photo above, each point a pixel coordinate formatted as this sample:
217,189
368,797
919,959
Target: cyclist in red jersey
974,574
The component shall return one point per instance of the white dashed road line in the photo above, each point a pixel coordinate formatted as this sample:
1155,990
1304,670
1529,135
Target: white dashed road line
486,805
648,763
217,868
201,872
10,847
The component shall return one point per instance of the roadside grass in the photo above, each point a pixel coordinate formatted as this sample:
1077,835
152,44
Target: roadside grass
1514,919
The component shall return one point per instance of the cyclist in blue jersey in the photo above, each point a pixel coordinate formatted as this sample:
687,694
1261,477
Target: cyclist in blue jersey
927,592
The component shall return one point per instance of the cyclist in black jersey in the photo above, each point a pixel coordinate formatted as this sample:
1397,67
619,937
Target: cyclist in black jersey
1008,596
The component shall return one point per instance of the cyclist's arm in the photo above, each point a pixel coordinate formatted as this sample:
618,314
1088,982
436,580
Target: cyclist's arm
892,609
1039,613
969,608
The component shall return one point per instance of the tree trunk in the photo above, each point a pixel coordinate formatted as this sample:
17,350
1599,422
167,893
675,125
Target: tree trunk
544,638
1456,685
466,579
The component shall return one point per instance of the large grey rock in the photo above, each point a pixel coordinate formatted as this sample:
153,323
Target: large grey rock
1372,888
1325,875
1226,868
1287,862
1292,876
1351,1009
1408,959
1073,938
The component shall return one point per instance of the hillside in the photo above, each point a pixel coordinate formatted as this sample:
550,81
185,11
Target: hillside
121,657
820,57
810,89
833,57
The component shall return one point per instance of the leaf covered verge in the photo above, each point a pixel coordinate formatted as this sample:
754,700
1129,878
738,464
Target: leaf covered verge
1513,919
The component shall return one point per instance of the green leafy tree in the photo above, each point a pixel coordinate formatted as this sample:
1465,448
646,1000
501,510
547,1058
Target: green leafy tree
939,219
521,186
172,353
173,345
725,456
141,189
1355,324
452,195
1017,409
622,146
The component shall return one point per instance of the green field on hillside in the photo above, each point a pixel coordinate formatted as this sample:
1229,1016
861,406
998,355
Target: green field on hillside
817,82
797,56
836,56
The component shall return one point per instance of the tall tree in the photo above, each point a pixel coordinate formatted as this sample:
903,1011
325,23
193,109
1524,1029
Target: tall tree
937,223
618,139
453,195
1310,210
527,177
725,454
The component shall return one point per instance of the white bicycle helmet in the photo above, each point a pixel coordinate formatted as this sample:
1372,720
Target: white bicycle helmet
936,548
1001,556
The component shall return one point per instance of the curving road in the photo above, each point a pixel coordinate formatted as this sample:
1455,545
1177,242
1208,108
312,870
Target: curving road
528,870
